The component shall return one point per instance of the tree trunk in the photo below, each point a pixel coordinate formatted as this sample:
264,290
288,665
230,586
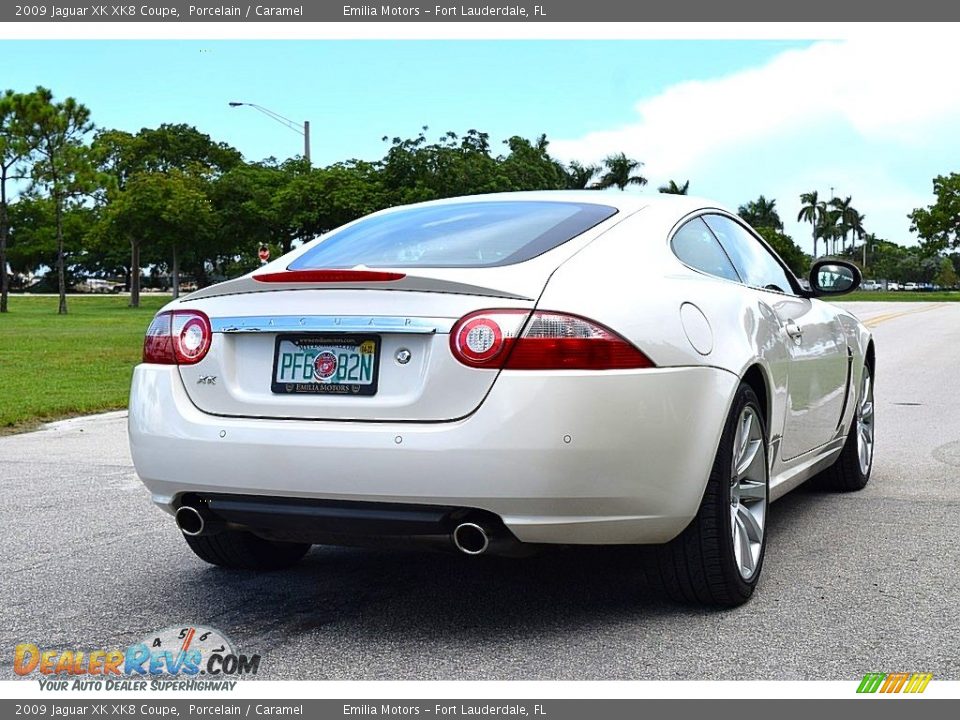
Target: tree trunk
175,274
134,273
61,270
814,242
4,228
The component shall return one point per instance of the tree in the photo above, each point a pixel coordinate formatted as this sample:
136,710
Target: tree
63,167
847,219
33,235
938,225
791,253
530,167
579,175
946,276
812,211
761,213
620,172
161,209
829,230
171,147
16,146
671,188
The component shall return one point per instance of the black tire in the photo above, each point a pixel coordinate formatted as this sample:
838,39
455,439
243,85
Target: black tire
847,474
699,565
240,550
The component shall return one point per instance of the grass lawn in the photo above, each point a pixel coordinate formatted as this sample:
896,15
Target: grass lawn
55,366
902,296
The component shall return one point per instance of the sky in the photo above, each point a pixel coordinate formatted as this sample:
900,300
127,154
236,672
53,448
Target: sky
864,117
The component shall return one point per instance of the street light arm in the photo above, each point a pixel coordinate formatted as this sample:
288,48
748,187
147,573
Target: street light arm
300,129
295,126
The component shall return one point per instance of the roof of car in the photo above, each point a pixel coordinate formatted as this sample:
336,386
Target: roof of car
623,201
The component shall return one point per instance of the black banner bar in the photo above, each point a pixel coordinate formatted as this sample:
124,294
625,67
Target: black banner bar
508,11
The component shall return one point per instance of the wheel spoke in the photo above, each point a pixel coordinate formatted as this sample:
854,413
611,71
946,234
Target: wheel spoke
751,524
749,457
752,490
738,534
747,561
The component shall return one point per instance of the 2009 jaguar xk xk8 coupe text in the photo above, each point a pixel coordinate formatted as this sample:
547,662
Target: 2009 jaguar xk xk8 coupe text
502,372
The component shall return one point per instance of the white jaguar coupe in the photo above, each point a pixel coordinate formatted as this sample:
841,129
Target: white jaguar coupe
496,373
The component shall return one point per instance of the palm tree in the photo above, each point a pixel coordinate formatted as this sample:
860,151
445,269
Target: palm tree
579,176
855,221
830,229
812,211
845,217
671,188
620,172
761,213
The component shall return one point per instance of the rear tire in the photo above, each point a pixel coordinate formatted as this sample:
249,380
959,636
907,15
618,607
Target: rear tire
239,550
717,559
851,471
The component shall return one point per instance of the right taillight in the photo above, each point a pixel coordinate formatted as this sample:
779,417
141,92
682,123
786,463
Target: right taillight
177,337
549,341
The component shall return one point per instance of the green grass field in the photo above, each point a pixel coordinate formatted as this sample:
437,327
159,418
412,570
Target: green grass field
902,296
56,366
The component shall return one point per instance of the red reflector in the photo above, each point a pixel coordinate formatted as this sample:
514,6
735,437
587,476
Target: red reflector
328,276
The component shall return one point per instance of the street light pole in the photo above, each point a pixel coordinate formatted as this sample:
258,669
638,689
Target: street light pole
303,129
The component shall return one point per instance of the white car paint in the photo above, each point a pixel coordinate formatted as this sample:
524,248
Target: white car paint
613,456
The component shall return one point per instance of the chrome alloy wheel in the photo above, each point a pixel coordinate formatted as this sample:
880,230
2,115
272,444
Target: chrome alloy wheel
865,423
748,492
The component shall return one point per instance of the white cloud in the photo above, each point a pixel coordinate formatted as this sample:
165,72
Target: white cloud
873,118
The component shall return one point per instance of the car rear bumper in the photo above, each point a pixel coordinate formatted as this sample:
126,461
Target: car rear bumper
559,457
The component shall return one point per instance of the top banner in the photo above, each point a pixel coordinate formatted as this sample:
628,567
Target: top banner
542,11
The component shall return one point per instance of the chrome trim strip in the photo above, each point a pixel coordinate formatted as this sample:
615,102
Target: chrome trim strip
332,323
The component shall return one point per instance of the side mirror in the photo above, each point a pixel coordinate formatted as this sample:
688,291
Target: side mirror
834,277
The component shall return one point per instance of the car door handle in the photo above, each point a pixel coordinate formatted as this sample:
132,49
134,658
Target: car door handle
794,331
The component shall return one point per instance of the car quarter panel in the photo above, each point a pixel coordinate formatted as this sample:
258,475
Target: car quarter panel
631,281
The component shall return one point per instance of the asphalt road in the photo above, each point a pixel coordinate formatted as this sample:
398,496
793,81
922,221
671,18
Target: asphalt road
852,583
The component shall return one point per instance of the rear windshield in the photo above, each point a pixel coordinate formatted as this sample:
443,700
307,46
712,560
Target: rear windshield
472,234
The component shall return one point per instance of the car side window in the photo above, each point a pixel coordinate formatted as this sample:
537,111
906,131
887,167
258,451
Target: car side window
753,261
697,247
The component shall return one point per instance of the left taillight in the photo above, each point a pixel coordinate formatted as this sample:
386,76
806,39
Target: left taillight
177,337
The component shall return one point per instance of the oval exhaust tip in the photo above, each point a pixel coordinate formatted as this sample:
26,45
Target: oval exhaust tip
189,520
471,539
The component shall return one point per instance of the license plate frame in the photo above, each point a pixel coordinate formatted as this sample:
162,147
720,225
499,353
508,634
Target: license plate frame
326,340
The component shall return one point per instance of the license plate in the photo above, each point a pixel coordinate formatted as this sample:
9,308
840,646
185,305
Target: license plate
326,364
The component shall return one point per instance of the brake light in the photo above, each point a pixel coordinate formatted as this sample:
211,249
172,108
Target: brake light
328,276
550,341
177,337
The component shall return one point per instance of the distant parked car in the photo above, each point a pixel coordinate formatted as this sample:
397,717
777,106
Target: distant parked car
871,285
893,286
911,286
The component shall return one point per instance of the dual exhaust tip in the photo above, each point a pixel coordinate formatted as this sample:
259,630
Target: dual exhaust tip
470,538
194,522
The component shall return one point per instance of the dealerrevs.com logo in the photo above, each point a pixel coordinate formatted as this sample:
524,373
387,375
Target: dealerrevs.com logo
175,658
